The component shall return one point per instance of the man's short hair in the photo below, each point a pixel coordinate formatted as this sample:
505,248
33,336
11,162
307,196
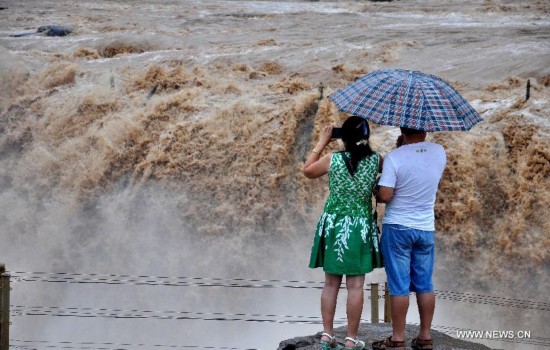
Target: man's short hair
409,131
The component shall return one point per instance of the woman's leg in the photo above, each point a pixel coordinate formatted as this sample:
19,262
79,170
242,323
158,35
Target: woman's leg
354,307
328,302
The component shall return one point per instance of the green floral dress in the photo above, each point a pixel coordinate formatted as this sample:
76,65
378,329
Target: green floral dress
346,240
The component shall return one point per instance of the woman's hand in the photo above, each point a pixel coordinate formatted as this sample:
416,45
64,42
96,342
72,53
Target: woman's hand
326,136
317,166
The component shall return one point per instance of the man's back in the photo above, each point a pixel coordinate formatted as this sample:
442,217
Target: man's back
414,172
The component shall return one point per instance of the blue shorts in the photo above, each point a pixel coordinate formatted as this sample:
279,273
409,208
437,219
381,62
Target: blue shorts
408,258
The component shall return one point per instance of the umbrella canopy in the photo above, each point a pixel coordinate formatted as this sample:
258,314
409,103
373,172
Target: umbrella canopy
407,98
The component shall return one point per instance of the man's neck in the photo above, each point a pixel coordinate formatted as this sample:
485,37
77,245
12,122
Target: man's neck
417,138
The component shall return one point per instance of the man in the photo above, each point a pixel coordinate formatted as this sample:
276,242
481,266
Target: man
409,181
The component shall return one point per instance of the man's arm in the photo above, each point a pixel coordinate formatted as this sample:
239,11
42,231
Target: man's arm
384,194
387,181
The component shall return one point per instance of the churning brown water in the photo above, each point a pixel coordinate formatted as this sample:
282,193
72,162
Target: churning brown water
203,178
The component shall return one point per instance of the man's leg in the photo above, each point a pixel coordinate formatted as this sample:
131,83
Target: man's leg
396,248
328,302
354,306
399,307
422,263
426,308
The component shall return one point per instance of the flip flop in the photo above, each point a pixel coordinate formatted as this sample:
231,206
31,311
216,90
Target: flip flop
328,345
388,344
422,344
359,344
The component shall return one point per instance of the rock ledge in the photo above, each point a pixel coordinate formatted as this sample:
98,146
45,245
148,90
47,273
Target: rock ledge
371,332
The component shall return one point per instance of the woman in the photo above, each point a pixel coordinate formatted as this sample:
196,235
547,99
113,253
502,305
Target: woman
346,239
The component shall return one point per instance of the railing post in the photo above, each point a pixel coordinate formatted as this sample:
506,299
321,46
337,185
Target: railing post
387,305
4,308
374,303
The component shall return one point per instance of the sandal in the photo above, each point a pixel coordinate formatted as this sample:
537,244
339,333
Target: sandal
329,345
422,344
388,344
358,344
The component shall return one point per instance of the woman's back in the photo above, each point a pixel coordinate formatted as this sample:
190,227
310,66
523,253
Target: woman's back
351,195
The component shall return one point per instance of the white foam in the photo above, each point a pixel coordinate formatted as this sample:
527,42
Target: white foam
289,7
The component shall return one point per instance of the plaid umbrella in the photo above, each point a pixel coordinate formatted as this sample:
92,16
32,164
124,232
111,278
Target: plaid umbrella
407,98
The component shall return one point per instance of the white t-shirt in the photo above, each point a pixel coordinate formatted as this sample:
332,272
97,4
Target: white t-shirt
413,171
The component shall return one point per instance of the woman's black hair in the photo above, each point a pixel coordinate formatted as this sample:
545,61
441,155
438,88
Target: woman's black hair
355,135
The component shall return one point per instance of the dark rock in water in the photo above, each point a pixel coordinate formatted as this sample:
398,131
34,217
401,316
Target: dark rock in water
48,31
54,30
240,15
19,35
371,332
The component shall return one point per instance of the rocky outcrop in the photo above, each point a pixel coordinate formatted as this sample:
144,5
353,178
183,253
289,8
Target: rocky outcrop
371,332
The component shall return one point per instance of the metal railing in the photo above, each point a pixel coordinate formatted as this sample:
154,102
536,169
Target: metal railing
17,311
4,308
